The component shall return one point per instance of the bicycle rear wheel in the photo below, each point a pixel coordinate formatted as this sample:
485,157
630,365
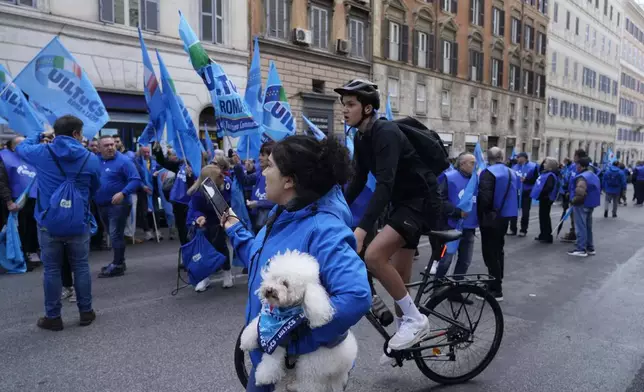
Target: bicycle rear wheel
242,362
442,363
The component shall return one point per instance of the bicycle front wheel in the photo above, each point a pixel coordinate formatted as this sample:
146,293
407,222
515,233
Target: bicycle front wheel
466,338
242,362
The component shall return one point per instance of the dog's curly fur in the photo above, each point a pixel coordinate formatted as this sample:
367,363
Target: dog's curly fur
293,279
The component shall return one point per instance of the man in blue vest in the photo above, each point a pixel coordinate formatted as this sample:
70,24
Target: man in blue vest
528,173
496,204
452,184
613,183
19,175
586,195
571,236
119,180
545,190
73,160
638,182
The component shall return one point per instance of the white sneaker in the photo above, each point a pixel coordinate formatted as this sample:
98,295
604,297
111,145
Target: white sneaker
66,293
34,258
410,333
203,285
149,236
228,280
72,298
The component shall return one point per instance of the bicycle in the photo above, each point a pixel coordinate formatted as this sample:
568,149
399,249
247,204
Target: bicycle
457,335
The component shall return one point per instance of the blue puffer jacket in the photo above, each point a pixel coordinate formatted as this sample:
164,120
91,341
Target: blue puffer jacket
322,230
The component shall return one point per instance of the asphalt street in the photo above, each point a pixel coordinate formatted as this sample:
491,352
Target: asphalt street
571,324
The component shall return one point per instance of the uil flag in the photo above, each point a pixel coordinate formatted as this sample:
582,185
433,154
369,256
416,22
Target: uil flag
315,131
480,160
278,119
153,96
231,112
249,145
54,80
388,112
15,110
186,142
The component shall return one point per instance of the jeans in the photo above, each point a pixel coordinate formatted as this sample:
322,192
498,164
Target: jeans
492,244
526,203
545,224
53,250
614,198
114,218
584,228
465,252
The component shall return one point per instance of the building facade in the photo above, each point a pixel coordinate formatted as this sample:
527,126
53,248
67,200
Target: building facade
316,45
102,36
583,76
629,140
472,70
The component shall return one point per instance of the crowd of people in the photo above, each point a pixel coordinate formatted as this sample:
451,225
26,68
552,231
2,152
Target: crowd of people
298,198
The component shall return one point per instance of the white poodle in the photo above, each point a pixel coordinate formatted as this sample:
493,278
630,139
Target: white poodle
291,293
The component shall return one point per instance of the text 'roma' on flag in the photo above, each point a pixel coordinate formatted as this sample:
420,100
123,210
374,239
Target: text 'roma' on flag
15,110
186,141
249,145
278,119
153,98
231,112
55,81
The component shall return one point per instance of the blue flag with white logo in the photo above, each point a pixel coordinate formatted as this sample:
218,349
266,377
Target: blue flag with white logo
15,110
388,112
231,112
279,122
153,98
210,148
186,142
313,129
249,145
55,80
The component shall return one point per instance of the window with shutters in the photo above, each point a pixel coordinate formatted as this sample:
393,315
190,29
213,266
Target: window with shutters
515,78
497,71
529,37
476,66
394,41
422,49
476,12
553,64
392,89
567,20
498,22
449,6
278,19
540,86
212,21
566,65
133,13
556,13
543,7
528,82
449,58
319,25
421,101
541,43
516,31
357,29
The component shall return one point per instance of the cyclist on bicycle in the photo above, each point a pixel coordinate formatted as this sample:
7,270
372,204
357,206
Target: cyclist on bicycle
408,184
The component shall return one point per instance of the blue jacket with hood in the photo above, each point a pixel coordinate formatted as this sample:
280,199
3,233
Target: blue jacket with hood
322,230
71,154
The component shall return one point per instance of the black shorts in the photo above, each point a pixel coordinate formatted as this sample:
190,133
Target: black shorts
411,219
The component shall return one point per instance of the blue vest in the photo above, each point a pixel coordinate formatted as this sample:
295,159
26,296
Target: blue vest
456,184
593,190
20,174
541,182
179,191
640,173
525,171
502,174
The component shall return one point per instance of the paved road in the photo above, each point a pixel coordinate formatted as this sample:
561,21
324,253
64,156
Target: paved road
570,325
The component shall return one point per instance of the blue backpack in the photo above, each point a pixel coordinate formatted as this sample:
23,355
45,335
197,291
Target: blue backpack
200,258
67,215
612,179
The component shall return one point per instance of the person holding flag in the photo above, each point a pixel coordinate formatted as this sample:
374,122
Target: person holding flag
638,183
146,207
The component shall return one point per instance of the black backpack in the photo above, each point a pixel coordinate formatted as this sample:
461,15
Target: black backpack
428,144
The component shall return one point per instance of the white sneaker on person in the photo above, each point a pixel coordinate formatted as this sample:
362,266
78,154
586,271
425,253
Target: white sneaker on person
203,285
72,298
411,332
228,280
149,236
66,293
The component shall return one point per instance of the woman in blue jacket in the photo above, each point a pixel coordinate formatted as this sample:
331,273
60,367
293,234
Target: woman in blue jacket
303,178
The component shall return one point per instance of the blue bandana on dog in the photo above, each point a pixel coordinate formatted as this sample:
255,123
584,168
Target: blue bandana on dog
275,325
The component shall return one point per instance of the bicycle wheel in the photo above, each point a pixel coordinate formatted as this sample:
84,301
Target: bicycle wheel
450,343
242,362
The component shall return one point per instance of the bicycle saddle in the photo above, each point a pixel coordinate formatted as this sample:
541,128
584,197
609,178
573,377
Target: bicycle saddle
446,235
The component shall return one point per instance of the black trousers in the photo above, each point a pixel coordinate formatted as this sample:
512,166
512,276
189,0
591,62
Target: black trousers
526,204
27,227
180,220
96,241
492,244
144,217
545,224
639,191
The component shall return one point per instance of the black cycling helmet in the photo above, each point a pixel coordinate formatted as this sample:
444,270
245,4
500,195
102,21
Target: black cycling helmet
366,92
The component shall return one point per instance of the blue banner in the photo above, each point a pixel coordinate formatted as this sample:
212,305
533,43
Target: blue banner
55,80
315,131
210,149
15,110
231,112
249,145
153,97
186,141
279,122
388,112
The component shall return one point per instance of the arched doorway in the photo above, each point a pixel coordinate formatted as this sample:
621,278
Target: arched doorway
208,123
